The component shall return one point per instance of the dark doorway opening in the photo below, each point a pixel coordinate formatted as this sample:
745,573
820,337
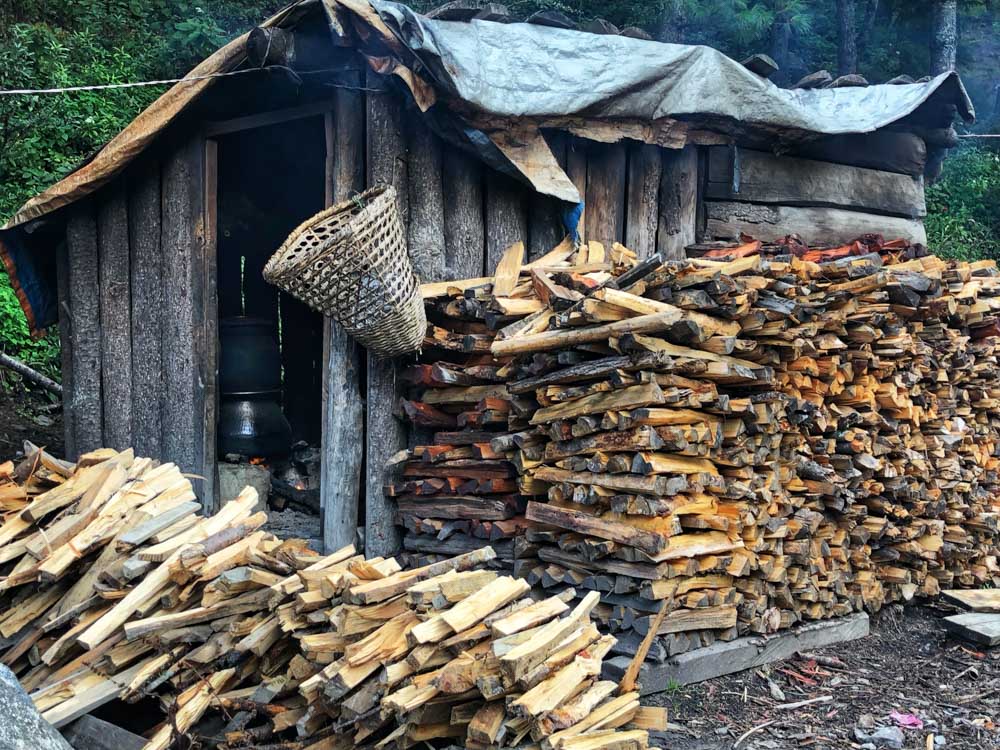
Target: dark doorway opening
270,179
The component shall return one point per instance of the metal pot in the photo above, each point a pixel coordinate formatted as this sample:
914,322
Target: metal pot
249,361
253,427
251,422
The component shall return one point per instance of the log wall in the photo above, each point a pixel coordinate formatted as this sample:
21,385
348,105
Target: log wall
137,309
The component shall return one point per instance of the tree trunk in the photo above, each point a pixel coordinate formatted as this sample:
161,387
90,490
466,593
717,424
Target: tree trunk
847,42
781,34
866,25
944,36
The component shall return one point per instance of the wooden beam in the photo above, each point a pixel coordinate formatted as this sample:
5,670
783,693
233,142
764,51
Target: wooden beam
816,226
766,178
263,119
464,221
386,164
182,223
678,206
146,269
84,298
905,153
90,733
343,411
506,217
426,199
605,195
209,359
116,313
727,657
66,349
641,214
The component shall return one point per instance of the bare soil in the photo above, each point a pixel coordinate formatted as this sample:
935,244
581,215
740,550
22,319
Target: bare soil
909,664
30,415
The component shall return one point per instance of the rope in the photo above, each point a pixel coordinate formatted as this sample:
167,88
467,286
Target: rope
170,81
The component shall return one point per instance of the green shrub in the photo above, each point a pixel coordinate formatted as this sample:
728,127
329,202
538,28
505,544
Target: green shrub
963,206
42,354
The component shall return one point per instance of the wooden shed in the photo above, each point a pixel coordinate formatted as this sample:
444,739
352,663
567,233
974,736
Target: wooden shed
139,254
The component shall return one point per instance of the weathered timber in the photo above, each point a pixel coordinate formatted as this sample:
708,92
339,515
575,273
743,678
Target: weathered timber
116,328
678,204
146,268
642,201
84,302
789,181
821,226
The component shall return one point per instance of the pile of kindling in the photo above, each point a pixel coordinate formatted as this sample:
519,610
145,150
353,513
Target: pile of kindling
114,588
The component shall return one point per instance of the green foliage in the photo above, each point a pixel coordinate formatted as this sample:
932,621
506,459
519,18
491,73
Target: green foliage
61,43
42,354
963,207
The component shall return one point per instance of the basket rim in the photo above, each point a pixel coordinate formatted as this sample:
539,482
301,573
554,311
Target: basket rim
371,194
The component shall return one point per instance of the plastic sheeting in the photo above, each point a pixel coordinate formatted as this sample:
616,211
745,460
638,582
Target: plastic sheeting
526,70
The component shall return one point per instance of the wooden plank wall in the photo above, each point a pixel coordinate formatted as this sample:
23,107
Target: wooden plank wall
136,287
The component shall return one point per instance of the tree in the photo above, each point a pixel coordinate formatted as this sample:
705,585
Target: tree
944,35
847,45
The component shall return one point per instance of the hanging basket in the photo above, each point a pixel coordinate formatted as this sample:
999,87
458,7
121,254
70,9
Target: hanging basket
350,262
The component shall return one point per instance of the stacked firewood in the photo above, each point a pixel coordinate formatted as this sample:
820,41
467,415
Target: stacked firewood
113,590
757,437
462,486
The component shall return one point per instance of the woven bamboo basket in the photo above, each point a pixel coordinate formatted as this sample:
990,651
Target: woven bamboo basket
350,262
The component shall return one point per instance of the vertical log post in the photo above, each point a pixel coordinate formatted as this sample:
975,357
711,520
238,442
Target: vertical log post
343,403
385,435
606,193
116,317
678,202
66,348
146,269
643,196
183,295
464,223
84,297
506,217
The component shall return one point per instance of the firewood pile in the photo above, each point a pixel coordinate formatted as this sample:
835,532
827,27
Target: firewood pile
756,437
114,588
467,488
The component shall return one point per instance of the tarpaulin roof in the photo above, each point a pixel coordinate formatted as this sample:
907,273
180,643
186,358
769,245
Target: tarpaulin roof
488,72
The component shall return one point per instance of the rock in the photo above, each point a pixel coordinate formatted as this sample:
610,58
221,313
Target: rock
851,79
814,80
554,18
21,726
600,26
636,33
890,737
900,80
761,64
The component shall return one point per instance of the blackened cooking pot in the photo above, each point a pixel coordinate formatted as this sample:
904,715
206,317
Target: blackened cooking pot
251,422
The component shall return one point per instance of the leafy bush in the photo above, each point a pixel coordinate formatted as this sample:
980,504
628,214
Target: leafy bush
42,354
963,206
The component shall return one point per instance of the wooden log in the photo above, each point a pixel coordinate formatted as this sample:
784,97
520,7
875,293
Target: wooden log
818,226
146,268
789,181
342,404
426,227
116,312
464,222
386,164
605,195
678,205
183,295
891,151
84,300
506,216
576,170
29,373
66,348
743,653
641,205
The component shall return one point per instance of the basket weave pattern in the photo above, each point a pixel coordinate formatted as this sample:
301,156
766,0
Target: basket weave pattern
350,262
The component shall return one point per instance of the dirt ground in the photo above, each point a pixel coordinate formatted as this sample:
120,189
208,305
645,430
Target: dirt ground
908,665
29,415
